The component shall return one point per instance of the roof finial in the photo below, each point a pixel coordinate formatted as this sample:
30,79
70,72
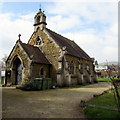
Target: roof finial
19,36
40,7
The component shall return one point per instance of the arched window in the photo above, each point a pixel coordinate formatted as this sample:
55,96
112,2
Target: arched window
42,71
38,41
88,68
38,20
71,67
80,67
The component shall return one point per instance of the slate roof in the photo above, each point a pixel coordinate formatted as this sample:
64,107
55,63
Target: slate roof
35,54
71,47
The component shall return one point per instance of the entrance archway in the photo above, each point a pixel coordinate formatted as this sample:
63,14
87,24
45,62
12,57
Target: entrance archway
18,71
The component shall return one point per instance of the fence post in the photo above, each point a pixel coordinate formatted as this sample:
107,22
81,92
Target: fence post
82,103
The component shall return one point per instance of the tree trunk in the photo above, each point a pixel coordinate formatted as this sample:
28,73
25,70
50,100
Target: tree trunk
117,94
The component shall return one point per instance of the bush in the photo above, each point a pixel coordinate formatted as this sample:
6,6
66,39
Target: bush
28,86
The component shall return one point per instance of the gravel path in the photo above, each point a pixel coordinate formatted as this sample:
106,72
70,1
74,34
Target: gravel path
57,103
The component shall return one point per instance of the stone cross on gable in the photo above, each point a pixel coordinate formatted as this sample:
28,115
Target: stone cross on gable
19,36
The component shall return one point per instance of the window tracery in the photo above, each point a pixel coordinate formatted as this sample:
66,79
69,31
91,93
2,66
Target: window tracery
38,41
71,67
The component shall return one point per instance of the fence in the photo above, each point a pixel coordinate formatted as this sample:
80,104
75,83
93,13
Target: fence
84,104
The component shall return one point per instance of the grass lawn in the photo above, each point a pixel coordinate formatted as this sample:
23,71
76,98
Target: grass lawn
104,79
106,99
2,79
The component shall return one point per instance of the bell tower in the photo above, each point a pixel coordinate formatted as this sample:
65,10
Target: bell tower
40,20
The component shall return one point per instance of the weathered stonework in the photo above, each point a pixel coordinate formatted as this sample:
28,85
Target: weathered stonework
50,49
18,52
35,71
66,63
79,76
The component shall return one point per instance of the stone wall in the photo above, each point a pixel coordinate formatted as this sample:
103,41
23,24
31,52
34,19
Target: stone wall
79,76
59,69
36,71
18,52
50,49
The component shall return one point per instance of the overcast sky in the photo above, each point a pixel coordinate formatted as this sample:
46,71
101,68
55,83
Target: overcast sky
92,25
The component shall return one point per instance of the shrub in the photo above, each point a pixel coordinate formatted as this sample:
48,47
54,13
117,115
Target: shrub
28,86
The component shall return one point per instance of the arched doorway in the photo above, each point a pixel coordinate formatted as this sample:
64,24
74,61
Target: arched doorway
18,71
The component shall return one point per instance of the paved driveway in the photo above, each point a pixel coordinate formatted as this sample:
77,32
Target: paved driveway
57,103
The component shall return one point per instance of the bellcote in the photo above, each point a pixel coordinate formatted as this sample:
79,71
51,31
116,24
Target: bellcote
40,20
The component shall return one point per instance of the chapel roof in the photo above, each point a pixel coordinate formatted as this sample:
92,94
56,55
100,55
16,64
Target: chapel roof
71,47
35,54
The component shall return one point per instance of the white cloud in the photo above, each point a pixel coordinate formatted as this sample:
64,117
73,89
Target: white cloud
93,26
101,47
114,29
97,26
104,12
28,16
111,52
60,23
10,29
82,38
59,1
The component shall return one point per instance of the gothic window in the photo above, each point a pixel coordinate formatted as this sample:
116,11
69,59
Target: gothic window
71,67
88,68
80,67
42,71
38,19
38,41
59,65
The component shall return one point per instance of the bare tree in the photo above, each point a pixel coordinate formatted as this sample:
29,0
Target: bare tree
3,63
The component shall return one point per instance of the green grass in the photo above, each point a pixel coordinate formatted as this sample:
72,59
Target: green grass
101,114
104,79
2,80
106,99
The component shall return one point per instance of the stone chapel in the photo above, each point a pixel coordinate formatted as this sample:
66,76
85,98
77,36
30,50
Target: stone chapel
48,55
